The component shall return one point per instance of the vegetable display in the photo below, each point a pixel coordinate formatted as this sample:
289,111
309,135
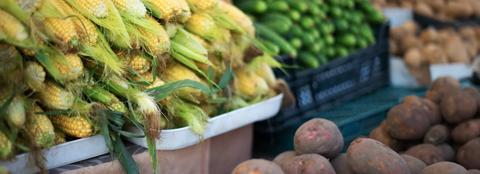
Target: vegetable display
73,69
314,32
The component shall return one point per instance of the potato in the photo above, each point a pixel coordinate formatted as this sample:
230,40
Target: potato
437,134
466,131
428,153
473,171
423,9
456,50
458,107
442,86
429,35
407,122
398,33
284,156
432,109
469,154
308,164
436,5
258,166
421,74
410,27
413,58
474,92
434,54
340,165
414,164
447,151
318,136
409,42
458,9
444,168
380,134
368,156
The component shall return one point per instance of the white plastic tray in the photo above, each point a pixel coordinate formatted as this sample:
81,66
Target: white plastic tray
59,155
173,139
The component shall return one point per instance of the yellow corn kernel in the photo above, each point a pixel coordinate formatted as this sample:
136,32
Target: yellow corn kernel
133,7
11,27
34,75
55,97
164,9
249,85
239,17
75,126
6,147
202,5
61,31
71,68
139,64
39,129
203,25
59,137
185,13
86,30
157,43
177,72
97,8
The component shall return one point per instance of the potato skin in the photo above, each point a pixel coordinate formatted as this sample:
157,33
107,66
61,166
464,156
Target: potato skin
428,153
259,166
437,134
433,112
414,164
407,122
444,168
458,107
442,86
466,131
380,134
284,156
340,165
474,92
368,156
469,154
447,151
473,171
308,164
319,136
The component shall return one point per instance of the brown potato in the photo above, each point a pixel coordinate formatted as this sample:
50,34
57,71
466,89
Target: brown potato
284,156
447,151
434,54
428,153
380,134
429,36
442,86
474,92
340,165
444,168
409,42
413,58
469,154
436,5
319,136
407,122
458,9
308,164
414,164
423,9
466,131
473,171
456,50
458,106
437,134
258,166
368,156
430,107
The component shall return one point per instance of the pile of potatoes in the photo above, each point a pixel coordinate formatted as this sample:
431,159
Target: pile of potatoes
446,10
444,126
422,48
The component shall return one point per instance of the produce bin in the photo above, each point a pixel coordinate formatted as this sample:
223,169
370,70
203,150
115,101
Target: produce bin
426,21
355,118
340,80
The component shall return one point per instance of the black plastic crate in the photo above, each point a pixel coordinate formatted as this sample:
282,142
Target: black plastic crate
338,81
425,21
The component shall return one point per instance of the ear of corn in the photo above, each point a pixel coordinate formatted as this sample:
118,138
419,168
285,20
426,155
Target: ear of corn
101,95
34,75
177,72
266,72
76,126
86,30
139,64
166,10
202,5
55,97
134,8
62,31
238,17
203,25
13,31
6,147
39,129
186,114
249,85
185,13
155,42
59,137
16,113
97,8
103,54
70,66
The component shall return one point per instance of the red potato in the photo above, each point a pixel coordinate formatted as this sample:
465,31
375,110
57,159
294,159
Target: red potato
380,134
341,166
257,166
469,154
308,164
466,131
442,86
319,136
474,92
444,168
447,151
284,156
368,156
414,164
437,134
473,171
407,122
428,153
458,106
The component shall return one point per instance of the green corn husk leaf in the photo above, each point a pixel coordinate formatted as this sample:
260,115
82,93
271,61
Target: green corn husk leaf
184,38
162,92
102,53
112,23
190,54
188,115
190,64
44,57
128,163
152,151
12,7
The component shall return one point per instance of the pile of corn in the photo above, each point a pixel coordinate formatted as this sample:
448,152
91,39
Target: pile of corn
61,59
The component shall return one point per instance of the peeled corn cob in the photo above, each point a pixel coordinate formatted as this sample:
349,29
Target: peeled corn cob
62,31
202,5
97,8
6,146
139,64
55,97
249,85
239,17
59,137
12,28
71,67
133,7
75,126
39,129
34,75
